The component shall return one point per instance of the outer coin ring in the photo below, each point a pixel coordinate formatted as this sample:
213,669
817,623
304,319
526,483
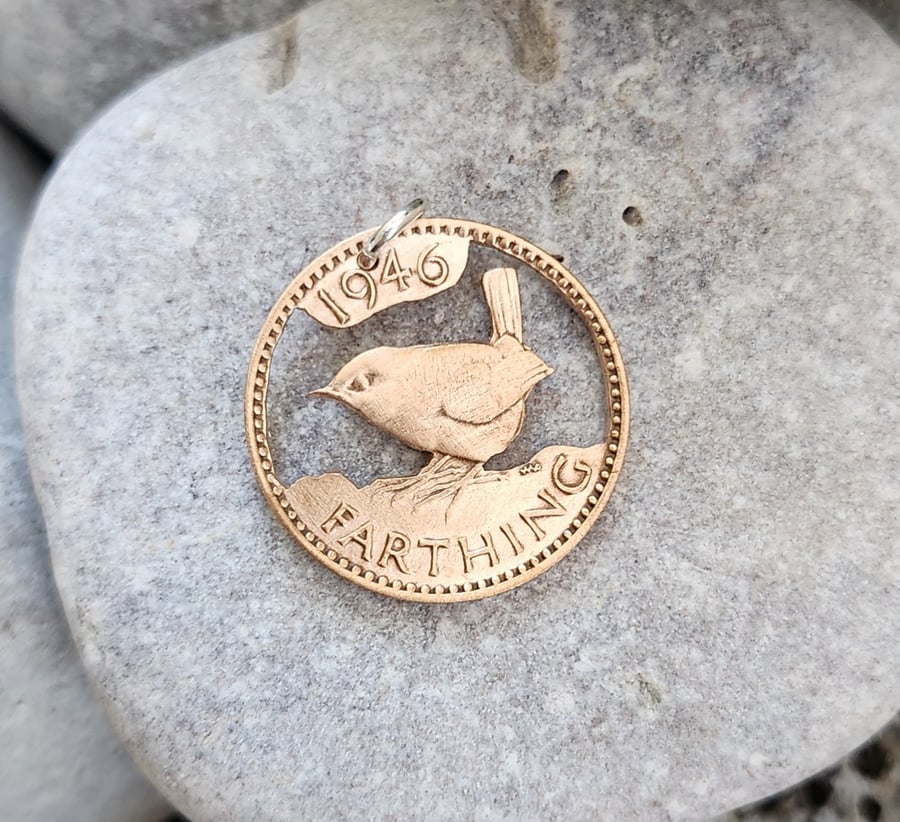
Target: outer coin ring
612,369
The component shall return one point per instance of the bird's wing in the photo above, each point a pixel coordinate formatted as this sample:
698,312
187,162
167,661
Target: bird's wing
494,379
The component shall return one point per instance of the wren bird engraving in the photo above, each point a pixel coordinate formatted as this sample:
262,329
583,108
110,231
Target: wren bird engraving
461,402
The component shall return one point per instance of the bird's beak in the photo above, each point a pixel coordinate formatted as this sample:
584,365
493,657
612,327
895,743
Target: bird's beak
327,392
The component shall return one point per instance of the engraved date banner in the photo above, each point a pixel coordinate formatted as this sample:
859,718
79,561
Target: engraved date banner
408,269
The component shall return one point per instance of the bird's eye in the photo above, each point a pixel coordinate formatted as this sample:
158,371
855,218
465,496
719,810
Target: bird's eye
362,381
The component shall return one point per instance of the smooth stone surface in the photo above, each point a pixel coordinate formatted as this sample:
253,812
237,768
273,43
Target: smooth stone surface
730,624
61,61
61,759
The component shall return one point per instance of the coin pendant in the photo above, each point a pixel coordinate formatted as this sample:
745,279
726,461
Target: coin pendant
455,530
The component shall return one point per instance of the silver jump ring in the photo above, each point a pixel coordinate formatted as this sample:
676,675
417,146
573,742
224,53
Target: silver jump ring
408,214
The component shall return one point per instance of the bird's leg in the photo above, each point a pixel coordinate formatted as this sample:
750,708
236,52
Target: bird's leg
437,466
442,476
393,485
476,474
449,477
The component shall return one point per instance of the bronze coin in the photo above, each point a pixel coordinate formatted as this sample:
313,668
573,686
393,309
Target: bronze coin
455,530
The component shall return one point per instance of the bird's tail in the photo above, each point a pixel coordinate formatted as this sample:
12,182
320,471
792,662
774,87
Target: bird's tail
501,289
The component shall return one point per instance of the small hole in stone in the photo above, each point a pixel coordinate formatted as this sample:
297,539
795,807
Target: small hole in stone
560,178
817,792
872,761
869,808
562,187
558,257
632,216
767,806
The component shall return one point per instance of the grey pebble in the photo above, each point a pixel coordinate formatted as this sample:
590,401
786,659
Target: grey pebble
60,757
729,625
62,61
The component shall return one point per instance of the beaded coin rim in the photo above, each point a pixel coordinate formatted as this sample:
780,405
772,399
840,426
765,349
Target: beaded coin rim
612,369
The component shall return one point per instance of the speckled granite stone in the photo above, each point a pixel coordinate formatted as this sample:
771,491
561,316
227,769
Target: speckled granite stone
721,177
63,60
60,760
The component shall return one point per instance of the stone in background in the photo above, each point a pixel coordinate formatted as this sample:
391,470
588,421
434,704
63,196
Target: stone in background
62,60
887,12
60,759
